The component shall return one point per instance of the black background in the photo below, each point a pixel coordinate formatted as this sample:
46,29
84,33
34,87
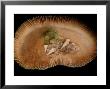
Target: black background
89,70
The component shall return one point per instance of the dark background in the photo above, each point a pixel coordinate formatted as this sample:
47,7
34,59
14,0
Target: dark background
88,70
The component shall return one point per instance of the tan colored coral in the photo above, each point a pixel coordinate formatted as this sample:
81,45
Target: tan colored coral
29,48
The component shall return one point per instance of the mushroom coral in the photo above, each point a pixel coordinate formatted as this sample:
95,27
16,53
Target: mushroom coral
33,34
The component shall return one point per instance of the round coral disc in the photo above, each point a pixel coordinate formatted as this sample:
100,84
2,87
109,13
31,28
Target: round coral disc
29,43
